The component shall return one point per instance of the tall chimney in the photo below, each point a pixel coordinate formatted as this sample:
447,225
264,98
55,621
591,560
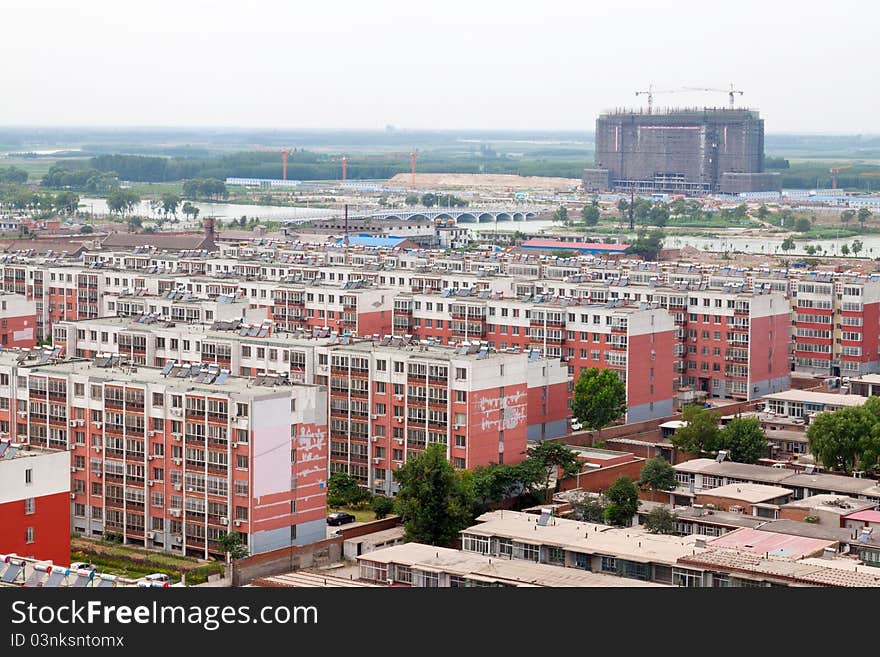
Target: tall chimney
208,223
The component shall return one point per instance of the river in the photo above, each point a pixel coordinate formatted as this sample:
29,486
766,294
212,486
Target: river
224,211
773,245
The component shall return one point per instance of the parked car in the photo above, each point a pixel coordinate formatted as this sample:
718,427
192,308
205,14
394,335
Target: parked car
82,565
340,518
157,577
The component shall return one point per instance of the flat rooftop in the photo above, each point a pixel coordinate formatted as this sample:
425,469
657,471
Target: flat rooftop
866,378
142,374
840,504
771,543
866,515
814,572
485,568
752,493
632,543
733,469
811,397
303,579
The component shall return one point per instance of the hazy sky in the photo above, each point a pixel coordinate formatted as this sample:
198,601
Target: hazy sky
545,64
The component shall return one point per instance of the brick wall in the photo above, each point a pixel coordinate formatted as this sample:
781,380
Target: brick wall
287,559
599,480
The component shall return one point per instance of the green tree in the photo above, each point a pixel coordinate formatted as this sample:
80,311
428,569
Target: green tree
411,199
660,521
848,437
788,244
622,206
434,501
857,246
599,398
700,434
382,506
344,490
658,215
190,211
847,215
14,175
647,244
170,203
590,214
744,439
86,229
561,214
588,509
67,202
623,502
657,474
844,249
501,481
548,458
810,249
233,545
863,215
122,201
763,212
429,200
802,225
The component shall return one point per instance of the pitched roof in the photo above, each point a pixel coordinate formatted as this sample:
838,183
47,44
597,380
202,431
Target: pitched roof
167,241
573,246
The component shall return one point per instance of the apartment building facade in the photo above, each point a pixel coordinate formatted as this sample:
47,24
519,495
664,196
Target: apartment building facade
173,459
34,502
18,321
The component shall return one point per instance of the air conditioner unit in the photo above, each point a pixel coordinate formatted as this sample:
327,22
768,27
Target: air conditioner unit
399,419
152,432
399,441
97,448
22,413
97,424
398,397
374,438
224,521
99,473
151,482
234,444
73,496
176,435
178,539
177,461
377,459
150,457
150,535
237,523
73,468
73,423
374,417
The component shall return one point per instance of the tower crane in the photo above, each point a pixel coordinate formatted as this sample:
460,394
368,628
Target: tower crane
730,92
834,171
650,91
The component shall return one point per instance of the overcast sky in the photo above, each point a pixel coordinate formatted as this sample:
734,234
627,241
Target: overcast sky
544,64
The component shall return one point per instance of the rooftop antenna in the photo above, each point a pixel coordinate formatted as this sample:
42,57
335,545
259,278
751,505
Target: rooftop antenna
345,240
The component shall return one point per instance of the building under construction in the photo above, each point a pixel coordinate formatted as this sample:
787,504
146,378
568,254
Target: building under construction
686,151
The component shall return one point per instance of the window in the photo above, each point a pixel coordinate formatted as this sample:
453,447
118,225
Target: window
461,373
686,578
609,565
29,476
241,461
458,463
29,505
29,535
460,441
479,544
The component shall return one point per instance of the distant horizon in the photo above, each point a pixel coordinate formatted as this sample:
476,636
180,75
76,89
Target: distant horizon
397,129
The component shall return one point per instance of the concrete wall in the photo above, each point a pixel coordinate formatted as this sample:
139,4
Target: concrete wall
286,559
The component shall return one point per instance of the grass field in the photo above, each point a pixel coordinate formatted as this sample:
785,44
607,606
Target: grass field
134,562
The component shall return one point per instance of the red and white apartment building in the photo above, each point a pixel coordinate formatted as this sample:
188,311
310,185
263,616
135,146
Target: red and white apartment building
345,366
34,502
18,321
175,458
389,400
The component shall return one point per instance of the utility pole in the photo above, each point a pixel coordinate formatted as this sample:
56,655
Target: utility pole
632,197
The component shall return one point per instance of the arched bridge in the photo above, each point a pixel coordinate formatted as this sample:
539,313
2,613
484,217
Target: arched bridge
459,215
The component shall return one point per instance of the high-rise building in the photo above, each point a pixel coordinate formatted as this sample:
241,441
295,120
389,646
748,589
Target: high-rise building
686,151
